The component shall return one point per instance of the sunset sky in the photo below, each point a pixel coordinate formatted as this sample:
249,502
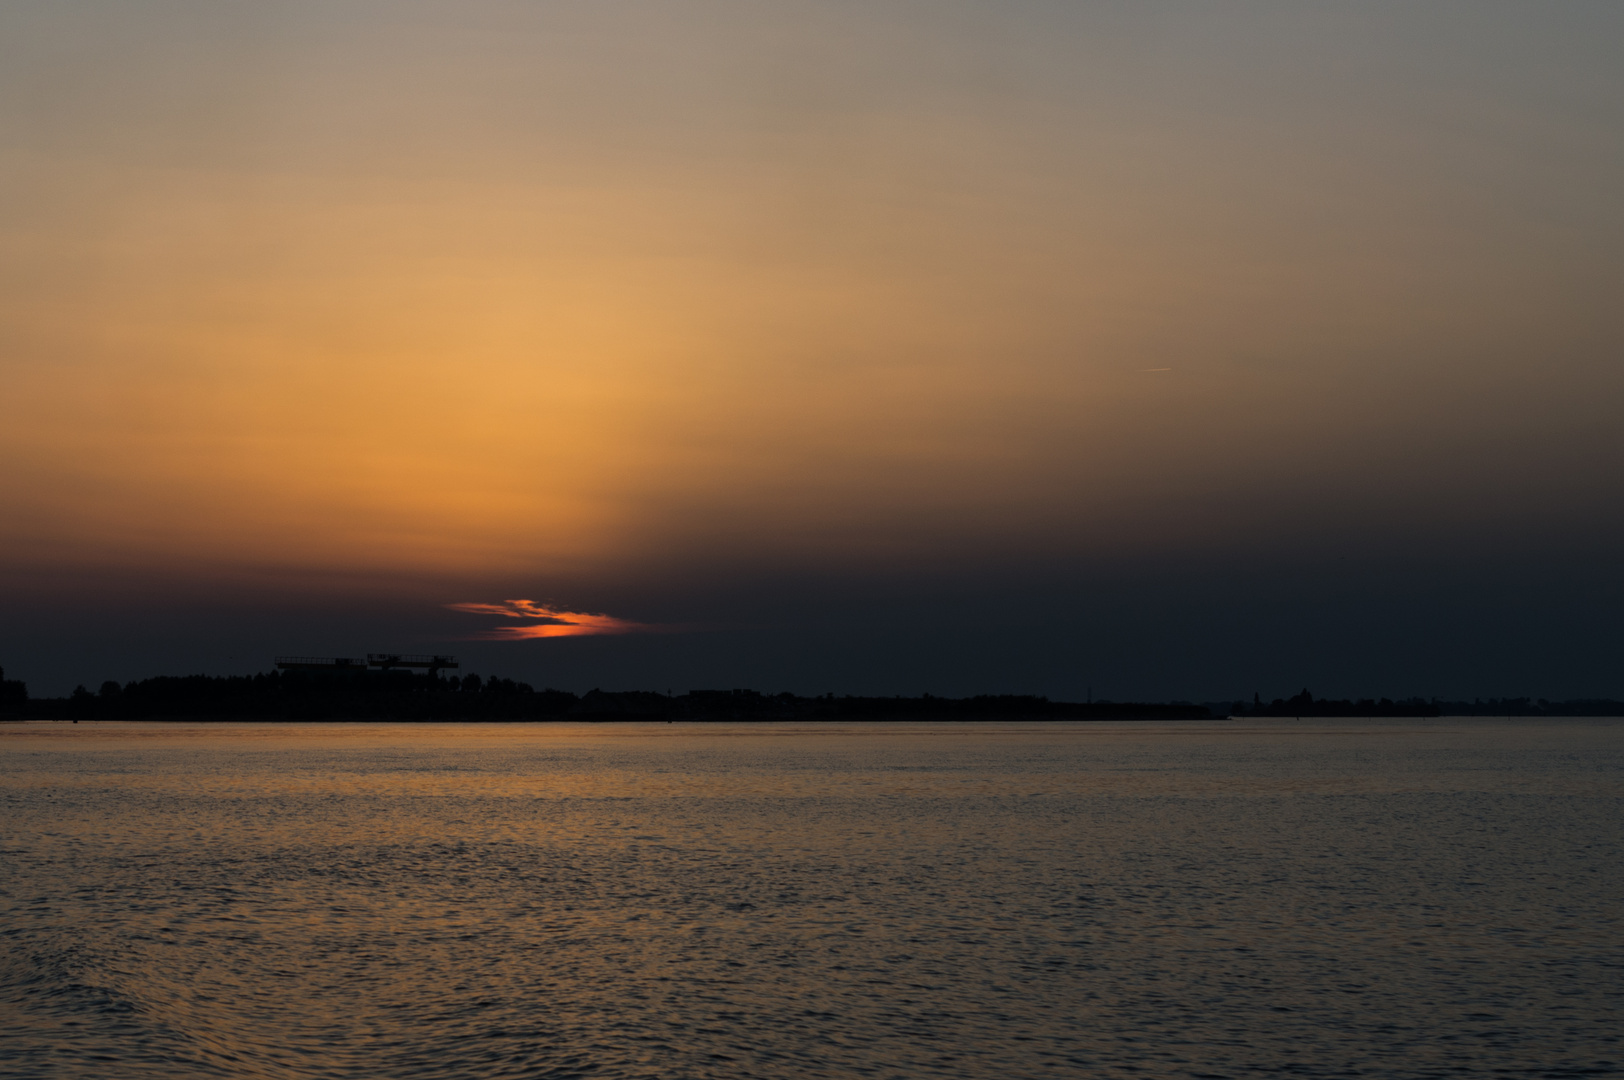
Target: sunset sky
1137,349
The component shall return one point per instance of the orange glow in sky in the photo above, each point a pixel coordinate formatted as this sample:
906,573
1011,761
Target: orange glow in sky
547,621
502,292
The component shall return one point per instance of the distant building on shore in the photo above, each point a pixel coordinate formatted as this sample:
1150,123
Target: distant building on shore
432,664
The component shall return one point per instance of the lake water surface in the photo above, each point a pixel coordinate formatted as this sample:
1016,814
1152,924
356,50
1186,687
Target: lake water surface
1313,899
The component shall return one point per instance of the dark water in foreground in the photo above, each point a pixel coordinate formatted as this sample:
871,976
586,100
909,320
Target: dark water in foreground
1339,899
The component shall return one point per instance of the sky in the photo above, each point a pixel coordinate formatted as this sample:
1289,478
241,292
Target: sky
1146,350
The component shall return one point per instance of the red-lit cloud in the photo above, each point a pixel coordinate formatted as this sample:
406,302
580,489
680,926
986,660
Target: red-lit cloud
546,621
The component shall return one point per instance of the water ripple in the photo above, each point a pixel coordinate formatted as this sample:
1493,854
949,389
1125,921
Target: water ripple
1403,903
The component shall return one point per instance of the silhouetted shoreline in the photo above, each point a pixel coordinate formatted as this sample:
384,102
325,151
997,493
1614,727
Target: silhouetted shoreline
1306,705
297,696
402,696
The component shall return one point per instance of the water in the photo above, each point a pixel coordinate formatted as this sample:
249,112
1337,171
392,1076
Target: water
1339,899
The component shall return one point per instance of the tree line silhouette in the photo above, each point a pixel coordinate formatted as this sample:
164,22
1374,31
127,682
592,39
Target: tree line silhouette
405,696
1305,704
399,695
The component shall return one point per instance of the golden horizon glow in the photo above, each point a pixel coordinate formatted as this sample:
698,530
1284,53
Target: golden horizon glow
491,291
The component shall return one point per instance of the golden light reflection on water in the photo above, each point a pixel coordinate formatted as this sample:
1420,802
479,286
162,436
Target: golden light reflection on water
742,900
589,761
